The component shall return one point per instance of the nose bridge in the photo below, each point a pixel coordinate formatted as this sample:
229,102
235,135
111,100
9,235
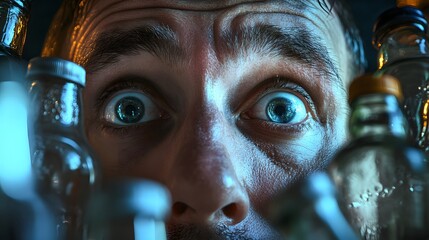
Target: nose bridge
202,154
204,184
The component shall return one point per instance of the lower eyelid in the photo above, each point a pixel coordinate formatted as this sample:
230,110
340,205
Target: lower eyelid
271,131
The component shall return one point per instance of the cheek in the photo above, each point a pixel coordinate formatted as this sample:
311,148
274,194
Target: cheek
277,166
124,154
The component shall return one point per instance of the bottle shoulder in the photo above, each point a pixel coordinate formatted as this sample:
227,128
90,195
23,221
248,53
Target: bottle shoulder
61,142
381,148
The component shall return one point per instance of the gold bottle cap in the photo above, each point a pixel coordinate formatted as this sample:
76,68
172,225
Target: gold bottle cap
369,84
422,4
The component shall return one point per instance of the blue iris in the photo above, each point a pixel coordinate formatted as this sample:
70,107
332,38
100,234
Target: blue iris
130,110
281,110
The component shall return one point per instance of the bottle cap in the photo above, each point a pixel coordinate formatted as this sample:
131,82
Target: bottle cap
57,67
369,84
395,17
421,4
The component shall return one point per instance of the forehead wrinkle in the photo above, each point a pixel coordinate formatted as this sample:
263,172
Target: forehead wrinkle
272,41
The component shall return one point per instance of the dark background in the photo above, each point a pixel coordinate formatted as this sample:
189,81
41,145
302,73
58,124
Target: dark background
364,11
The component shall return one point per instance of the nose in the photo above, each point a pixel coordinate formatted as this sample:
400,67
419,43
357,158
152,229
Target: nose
205,186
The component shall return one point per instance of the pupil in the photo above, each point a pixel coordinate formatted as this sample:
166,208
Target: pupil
281,110
130,110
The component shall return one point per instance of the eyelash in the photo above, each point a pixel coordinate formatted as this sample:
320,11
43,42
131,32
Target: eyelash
110,91
280,83
116,88
284,84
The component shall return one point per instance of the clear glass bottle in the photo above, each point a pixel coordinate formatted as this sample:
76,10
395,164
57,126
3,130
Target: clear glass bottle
23,215
65,170
403,51
381,179
309,210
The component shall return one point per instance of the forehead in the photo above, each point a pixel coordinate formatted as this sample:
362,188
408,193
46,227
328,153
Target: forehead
205,5
98,16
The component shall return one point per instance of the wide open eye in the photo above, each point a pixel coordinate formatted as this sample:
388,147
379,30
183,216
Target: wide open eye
130,107
279,107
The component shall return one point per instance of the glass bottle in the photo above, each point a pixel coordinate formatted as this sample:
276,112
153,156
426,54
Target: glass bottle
381,179
403,51
65,169
23,215
420,4
309,210
14,16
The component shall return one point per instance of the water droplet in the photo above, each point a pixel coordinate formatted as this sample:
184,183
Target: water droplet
355,205
364,197
411,189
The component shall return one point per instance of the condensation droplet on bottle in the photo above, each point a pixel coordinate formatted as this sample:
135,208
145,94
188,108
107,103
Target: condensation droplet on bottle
355,205
364,197
369,193
418,188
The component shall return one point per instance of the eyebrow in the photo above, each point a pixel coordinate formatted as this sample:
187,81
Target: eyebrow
292,43
159,41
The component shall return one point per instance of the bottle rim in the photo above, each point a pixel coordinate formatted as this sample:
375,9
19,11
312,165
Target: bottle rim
397,17
57,67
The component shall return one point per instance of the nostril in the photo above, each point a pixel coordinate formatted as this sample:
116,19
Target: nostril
230,211
236,211
179,208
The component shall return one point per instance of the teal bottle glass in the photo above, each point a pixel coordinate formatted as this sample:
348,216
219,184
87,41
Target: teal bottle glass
65,169
309,210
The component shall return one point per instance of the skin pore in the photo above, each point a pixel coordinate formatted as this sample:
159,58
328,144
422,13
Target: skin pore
224,102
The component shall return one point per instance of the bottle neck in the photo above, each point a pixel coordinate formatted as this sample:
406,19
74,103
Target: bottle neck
14,16
57,105
377,114
402,43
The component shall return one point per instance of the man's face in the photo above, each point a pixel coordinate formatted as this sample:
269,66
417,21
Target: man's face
224,102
